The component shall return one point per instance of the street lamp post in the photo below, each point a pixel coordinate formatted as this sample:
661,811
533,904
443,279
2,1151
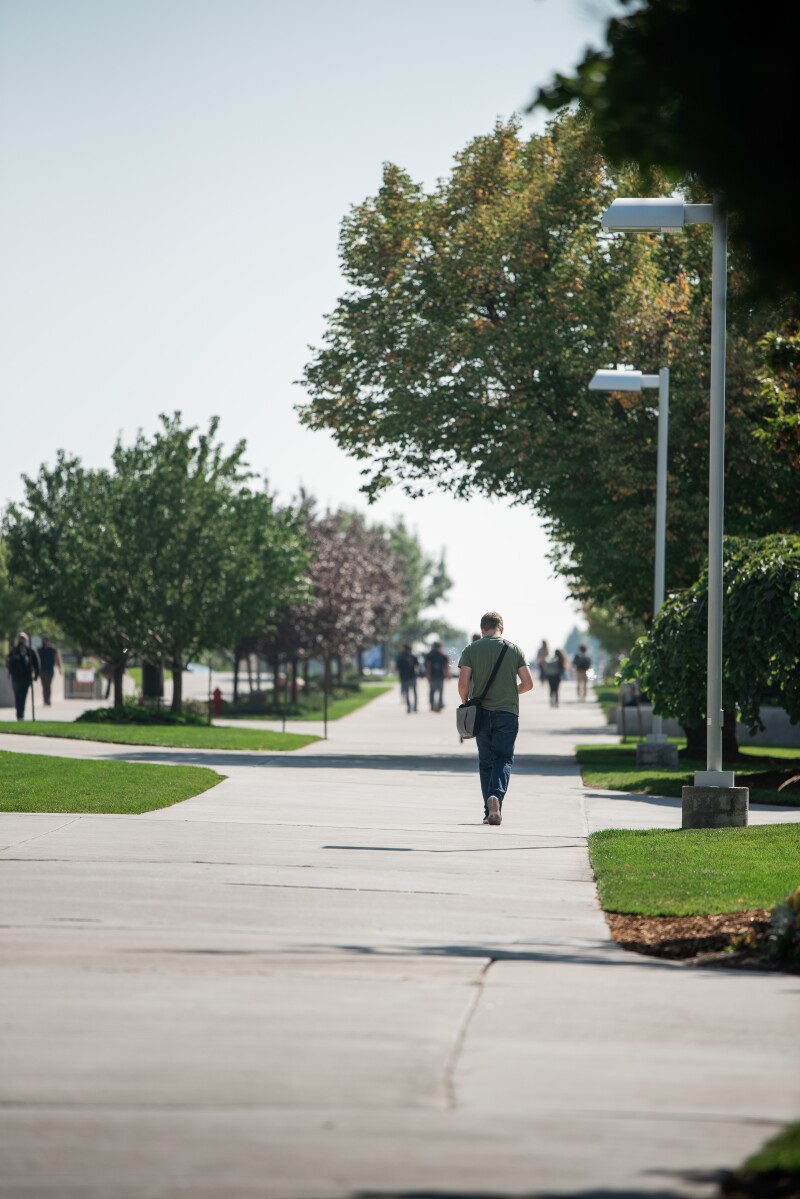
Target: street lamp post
713,800
656,749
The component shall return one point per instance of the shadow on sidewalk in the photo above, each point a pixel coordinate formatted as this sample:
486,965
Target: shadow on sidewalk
555,766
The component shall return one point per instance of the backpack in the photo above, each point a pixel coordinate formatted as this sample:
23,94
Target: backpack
582,662
552,668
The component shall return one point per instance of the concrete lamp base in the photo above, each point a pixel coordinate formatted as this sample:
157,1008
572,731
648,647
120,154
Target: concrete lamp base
655,753
714,807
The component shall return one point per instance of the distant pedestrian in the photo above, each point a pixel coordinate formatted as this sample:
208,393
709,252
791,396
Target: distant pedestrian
407,665
49,662
500,707
554,670
581,663
542,654
437,669
23,667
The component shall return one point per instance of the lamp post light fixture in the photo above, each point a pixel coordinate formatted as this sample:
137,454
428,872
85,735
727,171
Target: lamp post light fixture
656,749
714,800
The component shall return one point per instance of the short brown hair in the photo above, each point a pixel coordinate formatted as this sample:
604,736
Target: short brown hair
492,620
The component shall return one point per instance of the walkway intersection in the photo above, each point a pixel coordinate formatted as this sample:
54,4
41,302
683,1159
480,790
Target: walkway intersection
327,979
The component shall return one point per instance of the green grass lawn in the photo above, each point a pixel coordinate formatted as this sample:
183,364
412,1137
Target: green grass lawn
173,736
780,1153
691,872
613,768
38,783
336,707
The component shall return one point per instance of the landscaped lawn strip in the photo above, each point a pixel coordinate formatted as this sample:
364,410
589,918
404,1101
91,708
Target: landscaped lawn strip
173,736
39,783
337,708
613,768
683,872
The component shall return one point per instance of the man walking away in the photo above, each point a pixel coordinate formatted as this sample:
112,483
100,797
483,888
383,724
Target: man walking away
437,669
407,668
581,663
500,708
49,661
23,667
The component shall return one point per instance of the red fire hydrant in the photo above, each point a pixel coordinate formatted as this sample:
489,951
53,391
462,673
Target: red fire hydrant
216,701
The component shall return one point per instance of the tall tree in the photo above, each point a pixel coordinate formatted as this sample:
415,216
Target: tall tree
426,583
67,539
168,554
706,88
460,356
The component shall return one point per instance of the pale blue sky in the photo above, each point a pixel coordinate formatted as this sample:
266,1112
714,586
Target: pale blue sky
173,177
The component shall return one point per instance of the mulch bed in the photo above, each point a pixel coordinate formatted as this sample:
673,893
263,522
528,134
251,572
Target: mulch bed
700,939
788,781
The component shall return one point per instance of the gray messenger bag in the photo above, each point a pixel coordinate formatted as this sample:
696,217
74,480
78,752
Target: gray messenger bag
468,715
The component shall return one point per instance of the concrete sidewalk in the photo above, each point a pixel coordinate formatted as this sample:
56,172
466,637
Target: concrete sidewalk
326,978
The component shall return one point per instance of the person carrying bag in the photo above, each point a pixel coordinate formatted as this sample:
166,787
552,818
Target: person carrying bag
468,715
489,709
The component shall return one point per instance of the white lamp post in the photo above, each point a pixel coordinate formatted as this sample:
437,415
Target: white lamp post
714,800
657,751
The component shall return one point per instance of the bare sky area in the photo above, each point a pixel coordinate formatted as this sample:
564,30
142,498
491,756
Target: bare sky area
174,174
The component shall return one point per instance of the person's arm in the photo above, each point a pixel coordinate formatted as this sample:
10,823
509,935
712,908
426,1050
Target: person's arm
525,679
464,676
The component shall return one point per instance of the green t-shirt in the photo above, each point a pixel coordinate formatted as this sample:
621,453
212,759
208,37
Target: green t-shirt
481,656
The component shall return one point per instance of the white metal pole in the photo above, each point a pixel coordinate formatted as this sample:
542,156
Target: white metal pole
716,498
661,510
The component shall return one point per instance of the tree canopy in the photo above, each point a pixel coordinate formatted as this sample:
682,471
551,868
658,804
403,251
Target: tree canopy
460,354
705,88
168,553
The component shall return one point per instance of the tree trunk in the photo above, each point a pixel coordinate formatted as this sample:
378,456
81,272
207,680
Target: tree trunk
119,672
235,674
697,742
695,749
276,670
250,672
294,680
176,667
360,663
730,741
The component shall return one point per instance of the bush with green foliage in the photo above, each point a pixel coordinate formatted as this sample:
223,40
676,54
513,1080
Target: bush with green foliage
760,637
133,712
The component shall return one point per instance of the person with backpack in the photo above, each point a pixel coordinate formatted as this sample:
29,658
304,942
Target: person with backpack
554,670
23,667
581,664
437,669
499,707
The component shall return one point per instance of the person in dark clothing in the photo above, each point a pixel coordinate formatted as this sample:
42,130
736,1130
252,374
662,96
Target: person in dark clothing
407,665
23,667
49,661
437,669
554,670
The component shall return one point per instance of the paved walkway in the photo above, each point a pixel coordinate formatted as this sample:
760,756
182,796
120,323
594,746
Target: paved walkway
327,979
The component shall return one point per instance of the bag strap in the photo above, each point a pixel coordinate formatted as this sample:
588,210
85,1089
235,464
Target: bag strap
480,698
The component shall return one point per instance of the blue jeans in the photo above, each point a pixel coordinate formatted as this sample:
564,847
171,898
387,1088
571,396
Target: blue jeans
408,689
495,740
436,693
